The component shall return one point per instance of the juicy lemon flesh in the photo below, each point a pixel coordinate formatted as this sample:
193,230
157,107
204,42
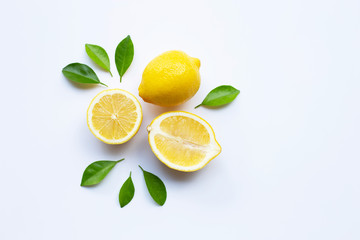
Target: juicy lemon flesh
176,152
187,129
114,116
182,141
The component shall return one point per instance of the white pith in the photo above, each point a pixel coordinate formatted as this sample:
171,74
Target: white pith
212,149
137,123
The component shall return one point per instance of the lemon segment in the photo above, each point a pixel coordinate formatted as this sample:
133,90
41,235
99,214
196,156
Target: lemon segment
183,141
114,116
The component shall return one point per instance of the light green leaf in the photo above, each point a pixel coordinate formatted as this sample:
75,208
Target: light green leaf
219,96
99,56
97,171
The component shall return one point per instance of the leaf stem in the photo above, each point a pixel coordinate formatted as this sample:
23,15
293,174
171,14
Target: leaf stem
120,78
141,168
120,160
110,74
103,84
130,173
198,105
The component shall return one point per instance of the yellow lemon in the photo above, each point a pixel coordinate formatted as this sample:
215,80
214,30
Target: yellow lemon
170,79
183,141
114,116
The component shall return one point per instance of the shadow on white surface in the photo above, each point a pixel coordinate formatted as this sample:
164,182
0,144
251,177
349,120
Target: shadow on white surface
114,150
80,85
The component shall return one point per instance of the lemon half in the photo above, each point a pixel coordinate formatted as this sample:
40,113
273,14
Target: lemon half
114,116
183,141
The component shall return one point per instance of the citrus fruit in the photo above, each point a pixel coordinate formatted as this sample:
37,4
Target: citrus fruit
170,79
183,141
114,116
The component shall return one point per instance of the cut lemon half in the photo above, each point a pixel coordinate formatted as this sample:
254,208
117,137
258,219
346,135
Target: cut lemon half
183,141
114,116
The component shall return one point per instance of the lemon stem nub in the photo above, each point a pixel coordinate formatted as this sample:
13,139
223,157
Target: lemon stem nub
148,128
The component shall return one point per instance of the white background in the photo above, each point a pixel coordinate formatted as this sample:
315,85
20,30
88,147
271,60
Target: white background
290,162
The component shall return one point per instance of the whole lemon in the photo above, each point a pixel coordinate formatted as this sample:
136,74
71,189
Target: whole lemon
170,79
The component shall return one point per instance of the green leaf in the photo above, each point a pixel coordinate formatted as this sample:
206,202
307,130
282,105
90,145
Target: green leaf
81,73
99,56
127,191
155,186
97,171
124,55
219,96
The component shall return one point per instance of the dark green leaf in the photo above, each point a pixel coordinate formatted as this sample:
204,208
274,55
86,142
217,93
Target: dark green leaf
124,55
219,96
81,73
155,186
126,192
99,56
97,171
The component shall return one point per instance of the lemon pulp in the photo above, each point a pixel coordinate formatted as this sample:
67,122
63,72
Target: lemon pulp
114,116
183,141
